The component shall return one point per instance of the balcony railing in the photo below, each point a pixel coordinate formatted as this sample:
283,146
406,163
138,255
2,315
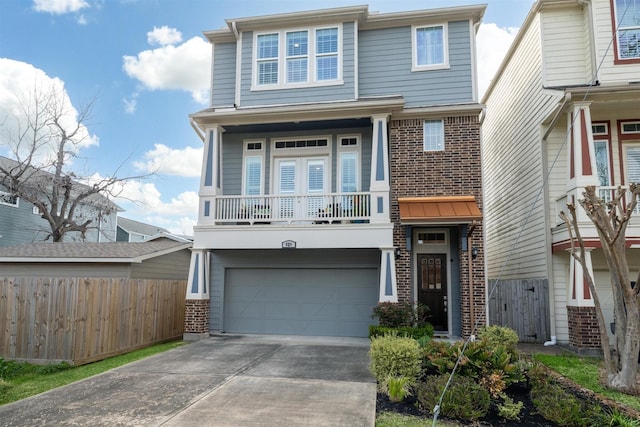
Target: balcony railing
606,193
293,209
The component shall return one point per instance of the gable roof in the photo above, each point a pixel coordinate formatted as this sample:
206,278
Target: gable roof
109,252
137,227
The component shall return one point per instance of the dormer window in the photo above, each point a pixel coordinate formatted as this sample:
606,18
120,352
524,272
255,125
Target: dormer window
301,57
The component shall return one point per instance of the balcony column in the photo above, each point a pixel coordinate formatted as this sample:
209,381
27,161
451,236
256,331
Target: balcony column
581,313
379,182
388,285
211,180
582,158
196,323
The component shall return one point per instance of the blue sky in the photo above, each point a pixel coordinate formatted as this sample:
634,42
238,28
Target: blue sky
145,64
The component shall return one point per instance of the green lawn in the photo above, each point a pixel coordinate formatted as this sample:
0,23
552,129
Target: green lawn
586,372
20,380
391,419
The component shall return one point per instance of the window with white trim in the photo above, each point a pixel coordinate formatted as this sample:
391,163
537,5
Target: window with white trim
297,57
630,128
632,163
601,145
430,47
433,135
349,163
9,199
627,18
253,168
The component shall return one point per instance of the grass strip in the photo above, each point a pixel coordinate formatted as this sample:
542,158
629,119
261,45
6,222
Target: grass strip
585,371
31,380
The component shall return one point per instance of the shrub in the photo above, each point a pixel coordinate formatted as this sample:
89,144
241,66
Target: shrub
10,369
396,314
499,336
464,399
397,388
53,368
509,409
555,404
402,331
393,356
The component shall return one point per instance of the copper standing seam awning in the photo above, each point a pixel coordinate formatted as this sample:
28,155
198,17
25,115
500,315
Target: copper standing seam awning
441,210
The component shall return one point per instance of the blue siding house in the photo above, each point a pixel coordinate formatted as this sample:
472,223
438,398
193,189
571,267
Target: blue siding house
341,168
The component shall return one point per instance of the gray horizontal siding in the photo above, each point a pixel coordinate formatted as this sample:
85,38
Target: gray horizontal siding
173,266
299,95
334,258
224,74
65,270
232,148
385,67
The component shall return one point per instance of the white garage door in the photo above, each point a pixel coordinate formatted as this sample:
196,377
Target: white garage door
330,302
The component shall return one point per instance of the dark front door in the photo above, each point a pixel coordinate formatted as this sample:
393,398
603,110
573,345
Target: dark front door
432,288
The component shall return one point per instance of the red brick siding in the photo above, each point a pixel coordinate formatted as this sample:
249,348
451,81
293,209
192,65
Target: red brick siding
196,319
456,171
583,327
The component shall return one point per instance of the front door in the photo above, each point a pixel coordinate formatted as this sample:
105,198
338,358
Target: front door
432,288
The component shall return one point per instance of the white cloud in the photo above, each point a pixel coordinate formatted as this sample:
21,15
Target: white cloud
59,7
162,36
21,85
493,43
165,160
130,104
183,67
143,202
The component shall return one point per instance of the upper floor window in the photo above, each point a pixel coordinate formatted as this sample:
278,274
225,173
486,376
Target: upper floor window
433,135
253,168
8,199
627,21
349,163
429,48
301,57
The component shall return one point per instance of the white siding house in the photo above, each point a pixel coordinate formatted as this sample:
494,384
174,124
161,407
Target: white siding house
562,112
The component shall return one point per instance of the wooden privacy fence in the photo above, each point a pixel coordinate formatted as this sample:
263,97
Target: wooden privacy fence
81,320
522,305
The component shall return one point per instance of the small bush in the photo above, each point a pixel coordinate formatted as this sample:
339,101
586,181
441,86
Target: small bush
397,314
10,369
499,336
402,331
509,409
397,388
555,404
464,399
393,356
53,368
617,419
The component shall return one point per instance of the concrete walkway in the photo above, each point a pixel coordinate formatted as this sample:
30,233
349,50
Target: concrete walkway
247,380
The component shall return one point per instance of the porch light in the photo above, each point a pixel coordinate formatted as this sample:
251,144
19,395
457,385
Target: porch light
474,252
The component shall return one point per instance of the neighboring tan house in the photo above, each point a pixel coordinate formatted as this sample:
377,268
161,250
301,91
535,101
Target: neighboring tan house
130,230
21,222
563,112
164,258
341,168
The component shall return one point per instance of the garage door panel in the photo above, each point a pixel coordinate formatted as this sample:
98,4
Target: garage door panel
316,301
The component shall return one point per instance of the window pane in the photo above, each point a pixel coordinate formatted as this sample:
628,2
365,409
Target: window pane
627,15
327,40
297,70
287,178
602,161
253,176
268,72
430,45
327,67
315,177
633,164
433,135
349,172
297,43
268,46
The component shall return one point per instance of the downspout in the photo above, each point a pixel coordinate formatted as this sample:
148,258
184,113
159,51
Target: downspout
592,41
197,129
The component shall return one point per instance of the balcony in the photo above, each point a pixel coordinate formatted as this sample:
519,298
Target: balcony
335,208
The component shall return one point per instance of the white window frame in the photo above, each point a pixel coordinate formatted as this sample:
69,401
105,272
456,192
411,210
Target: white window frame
604,141
3,201
246,154
621,29
441,145
625,147
627,122
357,150
414,48
312,57
304,153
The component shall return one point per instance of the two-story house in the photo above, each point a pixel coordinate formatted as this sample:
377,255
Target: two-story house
22,222
563,112
341,168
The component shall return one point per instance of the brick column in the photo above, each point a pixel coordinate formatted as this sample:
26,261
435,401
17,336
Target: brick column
196,322
583,328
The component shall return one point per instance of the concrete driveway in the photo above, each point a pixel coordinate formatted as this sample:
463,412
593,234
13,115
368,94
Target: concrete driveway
247,380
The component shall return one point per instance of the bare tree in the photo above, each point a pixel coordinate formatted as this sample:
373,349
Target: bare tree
48,136
611,220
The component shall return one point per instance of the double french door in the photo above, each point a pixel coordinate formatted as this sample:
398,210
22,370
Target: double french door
295,177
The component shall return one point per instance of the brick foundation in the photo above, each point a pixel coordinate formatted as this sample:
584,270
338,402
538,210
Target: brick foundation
583,328
196,319
455,171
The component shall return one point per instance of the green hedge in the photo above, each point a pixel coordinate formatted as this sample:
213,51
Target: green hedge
401,331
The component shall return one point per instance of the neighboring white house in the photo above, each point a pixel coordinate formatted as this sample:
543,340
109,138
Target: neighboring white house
130,230
562,112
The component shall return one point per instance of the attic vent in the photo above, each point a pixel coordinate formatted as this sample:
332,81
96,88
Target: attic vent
301,143
631,127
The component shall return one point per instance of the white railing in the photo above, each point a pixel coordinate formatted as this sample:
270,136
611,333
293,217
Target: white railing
307,208
606,193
